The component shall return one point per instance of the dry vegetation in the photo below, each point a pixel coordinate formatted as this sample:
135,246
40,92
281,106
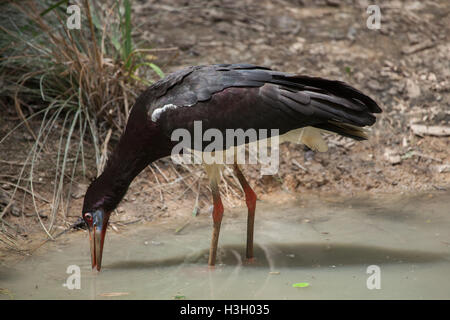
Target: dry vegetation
78,85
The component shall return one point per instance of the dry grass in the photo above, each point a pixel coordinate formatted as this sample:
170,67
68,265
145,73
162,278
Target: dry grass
80,85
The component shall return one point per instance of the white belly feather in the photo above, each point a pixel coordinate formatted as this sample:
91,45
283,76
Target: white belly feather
309,136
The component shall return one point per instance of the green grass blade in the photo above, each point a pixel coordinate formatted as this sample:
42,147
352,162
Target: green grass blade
52,7
157,69
126,31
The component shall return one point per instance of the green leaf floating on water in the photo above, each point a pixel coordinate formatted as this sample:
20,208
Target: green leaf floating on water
301,285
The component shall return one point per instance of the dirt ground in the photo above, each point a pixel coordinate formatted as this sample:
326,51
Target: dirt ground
404,66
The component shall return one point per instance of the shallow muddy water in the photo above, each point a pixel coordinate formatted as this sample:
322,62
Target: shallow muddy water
325,242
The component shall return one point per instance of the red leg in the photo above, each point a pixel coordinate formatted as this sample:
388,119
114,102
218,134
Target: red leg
217,219
250,199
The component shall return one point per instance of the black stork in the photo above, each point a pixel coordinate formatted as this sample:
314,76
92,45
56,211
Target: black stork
222,96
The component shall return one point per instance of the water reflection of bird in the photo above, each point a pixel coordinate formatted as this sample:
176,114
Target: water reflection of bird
226,96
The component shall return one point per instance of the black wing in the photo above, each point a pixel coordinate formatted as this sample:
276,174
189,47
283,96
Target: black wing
246,96
197,84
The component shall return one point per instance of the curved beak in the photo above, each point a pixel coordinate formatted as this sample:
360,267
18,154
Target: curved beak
97,237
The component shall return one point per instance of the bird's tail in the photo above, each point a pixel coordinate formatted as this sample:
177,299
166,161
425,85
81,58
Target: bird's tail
336,106
344,129
312,135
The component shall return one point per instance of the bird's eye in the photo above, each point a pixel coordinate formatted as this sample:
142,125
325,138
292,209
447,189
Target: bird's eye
88,217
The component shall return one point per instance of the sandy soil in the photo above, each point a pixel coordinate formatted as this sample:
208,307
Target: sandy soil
404,66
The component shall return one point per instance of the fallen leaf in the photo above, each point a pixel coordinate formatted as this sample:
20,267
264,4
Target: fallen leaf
301,285
421,129
114,294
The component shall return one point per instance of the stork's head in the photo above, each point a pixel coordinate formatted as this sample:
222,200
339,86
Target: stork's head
97,208
97,222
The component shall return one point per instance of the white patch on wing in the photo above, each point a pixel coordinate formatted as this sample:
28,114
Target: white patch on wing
157,113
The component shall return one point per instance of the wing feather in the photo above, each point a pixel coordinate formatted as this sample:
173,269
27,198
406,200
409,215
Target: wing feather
243,95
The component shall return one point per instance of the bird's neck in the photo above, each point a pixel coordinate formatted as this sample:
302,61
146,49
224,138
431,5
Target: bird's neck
134,152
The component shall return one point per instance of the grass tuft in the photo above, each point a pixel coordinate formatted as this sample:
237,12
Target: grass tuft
78,82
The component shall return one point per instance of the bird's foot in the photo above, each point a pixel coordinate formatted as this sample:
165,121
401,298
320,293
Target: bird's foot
250,261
